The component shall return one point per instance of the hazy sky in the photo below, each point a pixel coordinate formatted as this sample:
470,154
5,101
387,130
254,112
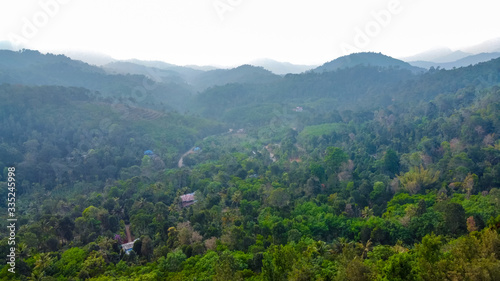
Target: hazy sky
232,32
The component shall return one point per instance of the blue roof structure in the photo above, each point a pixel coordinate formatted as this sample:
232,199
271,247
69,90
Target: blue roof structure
148,152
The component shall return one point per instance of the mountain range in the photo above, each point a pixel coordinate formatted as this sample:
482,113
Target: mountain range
194,75
447,58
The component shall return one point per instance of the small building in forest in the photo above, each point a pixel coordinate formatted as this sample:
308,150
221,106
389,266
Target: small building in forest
127,247
187,200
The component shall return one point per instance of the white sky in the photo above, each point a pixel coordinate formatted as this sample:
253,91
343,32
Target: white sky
192,32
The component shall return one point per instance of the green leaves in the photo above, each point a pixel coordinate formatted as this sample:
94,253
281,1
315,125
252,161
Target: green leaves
71,262
418,179
334,158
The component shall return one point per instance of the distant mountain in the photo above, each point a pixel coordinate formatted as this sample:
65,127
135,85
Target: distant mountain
242,74
469,60
164,65
197,79
281,68
489,46
437,55
453,56
174,74
203,67
90,57
367,59
446,58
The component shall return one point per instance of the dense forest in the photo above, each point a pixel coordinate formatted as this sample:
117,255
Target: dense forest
368,172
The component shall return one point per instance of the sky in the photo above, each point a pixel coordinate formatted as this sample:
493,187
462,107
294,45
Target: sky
233,32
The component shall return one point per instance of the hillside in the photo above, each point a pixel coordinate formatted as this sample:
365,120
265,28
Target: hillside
65,135
356,88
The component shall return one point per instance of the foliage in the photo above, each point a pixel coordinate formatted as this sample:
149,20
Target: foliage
391,176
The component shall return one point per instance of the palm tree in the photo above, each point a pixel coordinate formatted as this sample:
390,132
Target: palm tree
236,198
44,260
367,212
339,245
23,250
366,247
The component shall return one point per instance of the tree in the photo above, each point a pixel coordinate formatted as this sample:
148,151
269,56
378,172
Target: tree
42,262
279,197
147,247
317,170
379,191
173,261
357,271
93,266
65,228
418,179
391,162
399,267
429,257
454,219
278,262
424,224
334,158
71,262
422,207
226,267
468,184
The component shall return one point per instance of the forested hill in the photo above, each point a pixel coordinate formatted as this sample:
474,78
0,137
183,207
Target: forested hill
367,59
362,173
364,80
58,136
356,88
29,67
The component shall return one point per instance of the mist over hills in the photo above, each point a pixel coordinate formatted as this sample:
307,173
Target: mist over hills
438,55
281,68
448,59
362,80
174,87
464,61
92,58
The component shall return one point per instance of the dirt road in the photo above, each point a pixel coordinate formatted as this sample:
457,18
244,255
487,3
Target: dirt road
181,161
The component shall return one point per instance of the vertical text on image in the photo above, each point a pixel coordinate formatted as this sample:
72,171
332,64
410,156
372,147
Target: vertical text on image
11,220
